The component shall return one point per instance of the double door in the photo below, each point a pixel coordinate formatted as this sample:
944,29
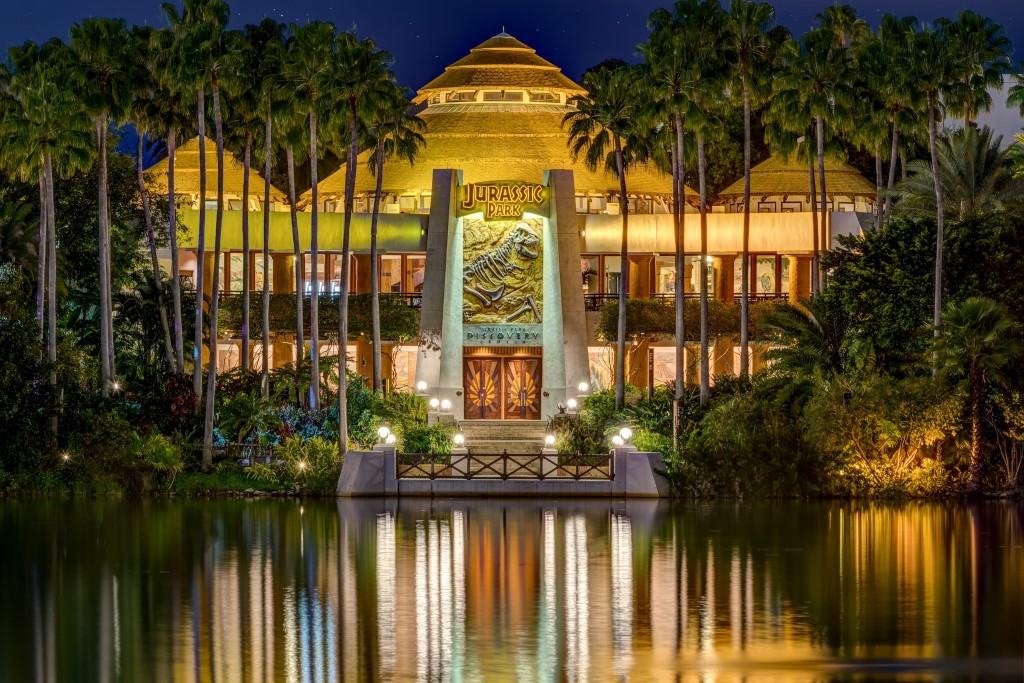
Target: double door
502,388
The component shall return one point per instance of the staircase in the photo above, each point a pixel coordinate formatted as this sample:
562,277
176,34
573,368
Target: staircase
515,437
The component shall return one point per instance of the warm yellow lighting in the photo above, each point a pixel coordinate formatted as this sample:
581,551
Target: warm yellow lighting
302,465
383,432
626,433
421,387
434,403
584,387
390,439
446,405
617,440
549,440
459,439
571,404
65,457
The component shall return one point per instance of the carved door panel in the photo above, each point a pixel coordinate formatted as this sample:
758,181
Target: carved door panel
483,388
522,389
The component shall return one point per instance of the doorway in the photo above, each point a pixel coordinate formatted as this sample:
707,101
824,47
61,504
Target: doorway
502,387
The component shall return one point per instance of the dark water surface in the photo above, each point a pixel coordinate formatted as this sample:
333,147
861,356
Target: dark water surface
510,590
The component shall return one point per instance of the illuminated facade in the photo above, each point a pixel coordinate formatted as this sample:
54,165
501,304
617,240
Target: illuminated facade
509,248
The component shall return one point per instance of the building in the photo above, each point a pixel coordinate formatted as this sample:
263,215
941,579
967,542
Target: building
509,248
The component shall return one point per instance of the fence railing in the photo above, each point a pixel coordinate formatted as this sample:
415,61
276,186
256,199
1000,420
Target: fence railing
245,454
598,466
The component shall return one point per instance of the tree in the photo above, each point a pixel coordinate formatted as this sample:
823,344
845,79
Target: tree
394,134
360,77
983,52
1015,96
308,69
102,48
600,123
749,24
978,341
974,174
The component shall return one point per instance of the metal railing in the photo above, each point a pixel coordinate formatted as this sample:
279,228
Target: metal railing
761,297
504,466
246,454
411,299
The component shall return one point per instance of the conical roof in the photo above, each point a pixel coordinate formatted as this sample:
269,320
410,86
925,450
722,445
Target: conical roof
186,173
500,62
778,175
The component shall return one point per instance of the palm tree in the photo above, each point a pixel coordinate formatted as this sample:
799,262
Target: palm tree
307,69
102,48
980,340
845,27
361,79
749,23
293,131
1015,97
394,133
600,123
973,172
984,58
142,111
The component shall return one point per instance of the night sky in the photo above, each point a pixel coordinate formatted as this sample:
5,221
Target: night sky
425,36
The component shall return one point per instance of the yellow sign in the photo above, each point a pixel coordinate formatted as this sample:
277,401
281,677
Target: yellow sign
503,201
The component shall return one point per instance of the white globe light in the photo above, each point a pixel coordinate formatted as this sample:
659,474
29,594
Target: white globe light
434,403
571,404
584,387
626,433
549,440
390,439
459,439
617,440
446,405
383,432
421,386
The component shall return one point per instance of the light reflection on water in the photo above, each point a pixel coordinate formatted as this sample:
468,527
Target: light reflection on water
510,590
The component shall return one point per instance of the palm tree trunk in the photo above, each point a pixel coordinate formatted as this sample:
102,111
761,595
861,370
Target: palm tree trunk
812,186
977,392
41,259
51,292
745,266
154,261
374,275
878,184
620,341
314,297
300,327
893,158
197,348
172,234
679,192
939,216
246,164
705,368
265,317
106,367
826,237
211,376
350,191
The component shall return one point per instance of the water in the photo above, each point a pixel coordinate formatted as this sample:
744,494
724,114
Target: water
510,590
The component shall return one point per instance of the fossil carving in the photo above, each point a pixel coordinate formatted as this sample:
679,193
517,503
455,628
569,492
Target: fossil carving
485,278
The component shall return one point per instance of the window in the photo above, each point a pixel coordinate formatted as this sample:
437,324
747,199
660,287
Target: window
234,204
502,96
234,274
543,97
307,273
415,267
764,276
435,99
602,367
792,207
664,275
664,365
612,274
391,273
262,271
404,367
462,96
694,264
766,207
590,267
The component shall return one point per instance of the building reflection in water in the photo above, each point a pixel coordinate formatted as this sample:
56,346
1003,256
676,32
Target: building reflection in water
469,590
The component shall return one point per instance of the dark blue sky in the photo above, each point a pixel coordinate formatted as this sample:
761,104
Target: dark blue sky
425,36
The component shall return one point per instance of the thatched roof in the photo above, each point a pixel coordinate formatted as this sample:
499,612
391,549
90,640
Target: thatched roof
186,173
498,63
780,176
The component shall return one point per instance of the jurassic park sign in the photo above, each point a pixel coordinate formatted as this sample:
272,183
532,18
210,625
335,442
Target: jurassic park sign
503,201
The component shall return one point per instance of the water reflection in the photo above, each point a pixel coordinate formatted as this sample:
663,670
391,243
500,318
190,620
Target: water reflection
500,590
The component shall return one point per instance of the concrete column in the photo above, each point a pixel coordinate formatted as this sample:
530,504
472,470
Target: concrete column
283,277
799,278
724,266
362,266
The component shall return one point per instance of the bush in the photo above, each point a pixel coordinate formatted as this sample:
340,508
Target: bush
435,439
313,464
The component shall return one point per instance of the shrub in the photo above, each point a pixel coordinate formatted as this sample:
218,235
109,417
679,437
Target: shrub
435,439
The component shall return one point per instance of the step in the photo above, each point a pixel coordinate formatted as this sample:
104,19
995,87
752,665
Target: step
510,446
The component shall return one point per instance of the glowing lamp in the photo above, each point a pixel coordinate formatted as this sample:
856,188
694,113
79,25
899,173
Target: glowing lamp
459,440
549,440
383,432
617,440
571,404
446,405
434,403
421,386
390,439
584,387
302,465
626,433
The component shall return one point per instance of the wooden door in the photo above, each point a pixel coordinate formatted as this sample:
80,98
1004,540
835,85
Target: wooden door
483,388
522,388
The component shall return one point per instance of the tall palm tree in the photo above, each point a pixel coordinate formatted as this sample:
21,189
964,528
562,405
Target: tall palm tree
980,340
1015,96
141,110
308,69
749,24
394,133
292,132
361,78
984,58
600,123
842,23
973,173
102,48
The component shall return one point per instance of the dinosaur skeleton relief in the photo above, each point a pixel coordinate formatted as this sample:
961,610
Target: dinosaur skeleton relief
485,278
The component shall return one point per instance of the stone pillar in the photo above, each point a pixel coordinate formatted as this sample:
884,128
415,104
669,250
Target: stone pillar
724,267
799,278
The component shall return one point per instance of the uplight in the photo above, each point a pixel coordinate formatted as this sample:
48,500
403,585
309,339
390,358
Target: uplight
584,387
459,440
383,433
446,405
549,440
626,433
434,403
617,440
421,386
571,404
390,439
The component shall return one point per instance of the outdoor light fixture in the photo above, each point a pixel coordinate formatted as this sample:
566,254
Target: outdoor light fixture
617,440
549,440
383,433
434,403
390,439
625,434
584,387
116,386
421,386
446,405
459,439
571,404
302,465
65,456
